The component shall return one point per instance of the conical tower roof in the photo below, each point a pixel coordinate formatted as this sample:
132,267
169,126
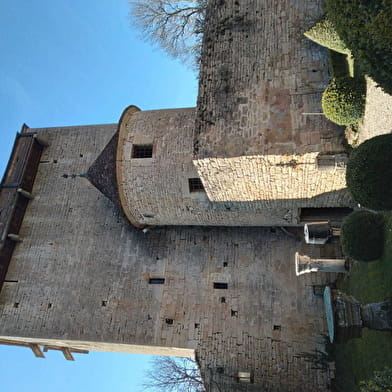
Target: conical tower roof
102,173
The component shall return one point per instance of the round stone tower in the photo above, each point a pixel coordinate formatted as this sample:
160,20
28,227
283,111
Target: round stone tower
148,168
157,181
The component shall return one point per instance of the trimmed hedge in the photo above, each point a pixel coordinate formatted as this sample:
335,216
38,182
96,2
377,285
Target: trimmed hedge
365,27
369,173
362,236
343,101
324,34
380,382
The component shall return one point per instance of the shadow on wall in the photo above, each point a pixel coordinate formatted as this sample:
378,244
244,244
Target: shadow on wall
335,199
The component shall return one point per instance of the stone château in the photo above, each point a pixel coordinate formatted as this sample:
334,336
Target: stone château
174,231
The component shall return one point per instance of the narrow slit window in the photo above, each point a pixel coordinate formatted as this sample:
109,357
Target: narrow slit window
142,151
195,185
156,281
220,285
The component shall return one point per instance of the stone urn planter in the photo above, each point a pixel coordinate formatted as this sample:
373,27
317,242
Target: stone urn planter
346,316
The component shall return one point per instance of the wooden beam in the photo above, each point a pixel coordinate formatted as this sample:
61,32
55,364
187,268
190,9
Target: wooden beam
10,185
36,350
43,142
25,194
67,354
71,349
14,237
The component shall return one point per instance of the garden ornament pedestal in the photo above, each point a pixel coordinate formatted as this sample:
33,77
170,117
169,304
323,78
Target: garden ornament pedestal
346,316
305,264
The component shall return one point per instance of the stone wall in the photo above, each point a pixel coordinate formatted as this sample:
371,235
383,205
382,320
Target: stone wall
259,77
264,190
82,279
259,106
277,181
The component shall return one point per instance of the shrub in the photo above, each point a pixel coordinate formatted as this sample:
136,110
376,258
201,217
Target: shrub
362,236
324,34
338,64
365,27
343,101
369,173
381,382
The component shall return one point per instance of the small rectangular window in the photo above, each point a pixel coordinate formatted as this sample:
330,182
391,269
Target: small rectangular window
156,281
332,161
195,185
169,321
220,285
142,151
245,377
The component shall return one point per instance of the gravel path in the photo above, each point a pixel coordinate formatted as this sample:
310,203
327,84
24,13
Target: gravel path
378,113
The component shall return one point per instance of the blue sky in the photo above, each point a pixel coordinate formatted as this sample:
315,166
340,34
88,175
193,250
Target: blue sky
74,62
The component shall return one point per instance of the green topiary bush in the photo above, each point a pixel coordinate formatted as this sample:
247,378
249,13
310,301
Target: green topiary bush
362,236
324,34
365,27
343,101
369,173
380,382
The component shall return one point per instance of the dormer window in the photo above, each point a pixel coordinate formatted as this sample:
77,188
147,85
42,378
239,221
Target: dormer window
142,151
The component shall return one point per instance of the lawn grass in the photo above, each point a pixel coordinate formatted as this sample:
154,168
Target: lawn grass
357,359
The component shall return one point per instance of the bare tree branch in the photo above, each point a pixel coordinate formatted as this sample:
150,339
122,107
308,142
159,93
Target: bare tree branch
170,374
174,25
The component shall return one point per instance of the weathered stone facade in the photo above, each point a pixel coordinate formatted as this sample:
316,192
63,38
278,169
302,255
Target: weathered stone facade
80,279
259,78
259,190
258,129
84,278
259,144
